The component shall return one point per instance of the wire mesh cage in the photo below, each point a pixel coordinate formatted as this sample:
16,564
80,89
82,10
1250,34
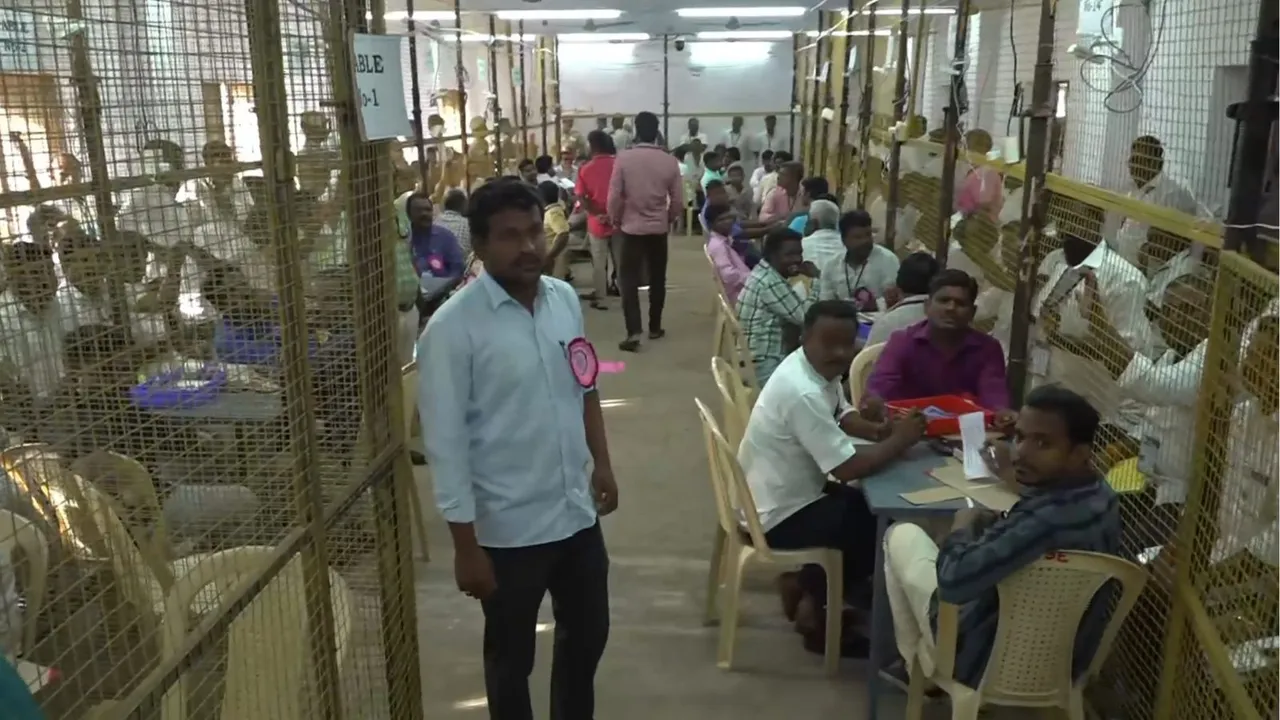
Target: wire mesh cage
1130,298
203,464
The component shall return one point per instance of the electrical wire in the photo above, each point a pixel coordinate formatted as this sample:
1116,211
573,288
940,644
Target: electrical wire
1013,46
1119,59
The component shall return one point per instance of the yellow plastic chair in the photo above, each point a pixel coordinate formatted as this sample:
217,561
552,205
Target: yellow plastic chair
409,390
718,302
736,345
268,644
17,532
1125,478
733,500
736,410
1040,611
135,490
860,371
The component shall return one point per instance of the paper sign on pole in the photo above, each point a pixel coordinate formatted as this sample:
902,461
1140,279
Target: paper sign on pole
380,87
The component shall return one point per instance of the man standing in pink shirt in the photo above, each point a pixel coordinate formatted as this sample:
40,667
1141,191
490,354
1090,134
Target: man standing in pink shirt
645,196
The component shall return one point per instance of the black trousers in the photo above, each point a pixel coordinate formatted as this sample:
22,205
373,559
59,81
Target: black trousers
639,253
575,571
840,520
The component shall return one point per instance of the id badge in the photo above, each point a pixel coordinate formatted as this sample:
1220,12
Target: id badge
1040,360
1148,453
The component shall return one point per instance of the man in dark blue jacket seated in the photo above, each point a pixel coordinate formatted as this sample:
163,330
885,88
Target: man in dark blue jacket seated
1064,505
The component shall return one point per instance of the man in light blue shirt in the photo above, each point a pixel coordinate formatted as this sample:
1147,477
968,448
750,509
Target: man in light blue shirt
515,436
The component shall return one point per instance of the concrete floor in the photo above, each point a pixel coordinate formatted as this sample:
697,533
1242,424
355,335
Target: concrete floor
660,662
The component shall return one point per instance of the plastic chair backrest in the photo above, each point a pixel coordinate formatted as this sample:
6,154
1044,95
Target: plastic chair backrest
17,532
734,396
739,354
735,500
140,573
267,649
860,371
715,276
409,394
131,483
1040,611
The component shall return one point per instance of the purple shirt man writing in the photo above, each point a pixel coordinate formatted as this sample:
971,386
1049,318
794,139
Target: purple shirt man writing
943,355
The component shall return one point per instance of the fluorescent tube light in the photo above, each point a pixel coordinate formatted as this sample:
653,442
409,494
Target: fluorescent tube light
849,33
601,14
475,37
741,12
910,11
744,35
421,15
600,37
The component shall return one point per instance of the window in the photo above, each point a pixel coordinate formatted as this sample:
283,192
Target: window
240,121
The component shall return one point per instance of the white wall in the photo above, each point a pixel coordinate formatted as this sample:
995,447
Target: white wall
749,78
1193,74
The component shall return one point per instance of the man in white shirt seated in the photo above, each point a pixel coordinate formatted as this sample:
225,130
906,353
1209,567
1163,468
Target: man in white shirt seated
1060,351
1167,386
1152,184
864,272
31,322
757,175
914,275
801,431
823,242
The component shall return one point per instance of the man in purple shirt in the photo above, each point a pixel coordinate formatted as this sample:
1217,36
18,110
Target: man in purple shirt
437,255
645,195
943,355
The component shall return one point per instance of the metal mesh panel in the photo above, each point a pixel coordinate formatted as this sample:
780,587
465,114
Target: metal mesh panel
199,370
1201,516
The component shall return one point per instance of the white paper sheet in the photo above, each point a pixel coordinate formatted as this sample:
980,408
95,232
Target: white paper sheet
973,436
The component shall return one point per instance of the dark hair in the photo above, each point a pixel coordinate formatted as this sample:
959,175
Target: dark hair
601,143
416,195
776,238
455,200
169,150
815,185
549,192
44,215
1149,146
680,152
21,253
952,277
715,211
434,119
710,155
791,166
544,163
782,156
495,196
854,219
826,196
1080,417
835,309
133,250
524,164
766,155
713,185
216,149
733,153
771,117
916,272
646,127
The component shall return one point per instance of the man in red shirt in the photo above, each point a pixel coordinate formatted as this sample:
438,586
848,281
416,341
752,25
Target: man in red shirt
646,195
592,191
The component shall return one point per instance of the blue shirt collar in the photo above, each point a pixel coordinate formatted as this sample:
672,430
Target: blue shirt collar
498,295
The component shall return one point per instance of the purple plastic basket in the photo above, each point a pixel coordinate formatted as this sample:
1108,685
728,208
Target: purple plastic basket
160,393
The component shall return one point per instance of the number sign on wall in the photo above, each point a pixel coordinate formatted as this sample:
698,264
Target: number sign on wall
380,87
18,42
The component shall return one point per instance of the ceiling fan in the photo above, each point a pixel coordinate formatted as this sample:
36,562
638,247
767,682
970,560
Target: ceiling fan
591,25
735,24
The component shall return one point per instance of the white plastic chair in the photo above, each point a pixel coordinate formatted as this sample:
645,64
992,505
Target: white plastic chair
736,345
718,302
16,532
409,391
860,371
736,411
267,650
1040,611
733,500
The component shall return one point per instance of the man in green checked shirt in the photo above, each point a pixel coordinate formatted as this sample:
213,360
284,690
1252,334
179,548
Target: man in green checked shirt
770,310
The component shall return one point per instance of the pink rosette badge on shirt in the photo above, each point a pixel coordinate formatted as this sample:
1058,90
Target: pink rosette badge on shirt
583,361
864,299
435,263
